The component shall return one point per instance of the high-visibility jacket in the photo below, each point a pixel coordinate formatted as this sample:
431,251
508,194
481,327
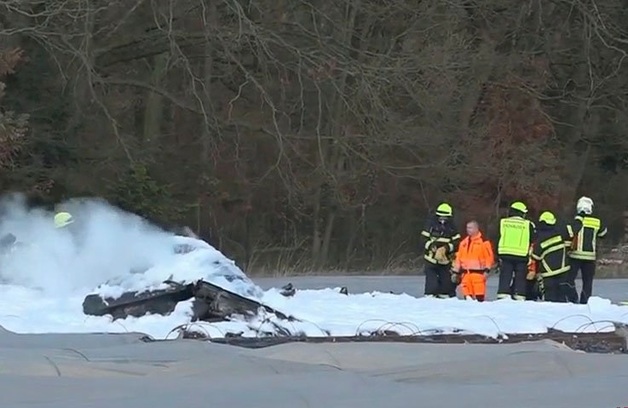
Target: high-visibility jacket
515,236
584,245
437,235
550,250
474,254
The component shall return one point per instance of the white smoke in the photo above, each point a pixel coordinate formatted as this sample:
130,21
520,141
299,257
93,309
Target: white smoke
104,242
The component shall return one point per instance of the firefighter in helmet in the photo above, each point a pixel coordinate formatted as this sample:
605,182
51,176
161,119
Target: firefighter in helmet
441,240
516,234
583,253
550,253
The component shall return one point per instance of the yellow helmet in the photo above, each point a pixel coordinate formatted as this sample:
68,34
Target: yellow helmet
444,210
63,219
519,206
548,218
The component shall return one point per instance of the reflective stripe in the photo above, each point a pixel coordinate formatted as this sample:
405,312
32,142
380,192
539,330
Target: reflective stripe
570,236
551,247
555,272
429,258
592,222
514,236
570,231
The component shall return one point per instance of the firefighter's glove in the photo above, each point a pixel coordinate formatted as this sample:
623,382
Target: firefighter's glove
531,275
441,255
455,277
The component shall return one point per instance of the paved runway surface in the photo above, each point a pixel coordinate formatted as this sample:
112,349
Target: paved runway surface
94,371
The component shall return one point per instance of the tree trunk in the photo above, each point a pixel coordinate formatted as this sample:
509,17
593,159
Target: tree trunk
316,225
352,230
329,228
207,136
482,68
153,110
334,150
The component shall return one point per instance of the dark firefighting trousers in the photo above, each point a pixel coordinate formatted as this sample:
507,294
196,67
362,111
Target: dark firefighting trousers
438,280
587,271
512,271
557,288
533,290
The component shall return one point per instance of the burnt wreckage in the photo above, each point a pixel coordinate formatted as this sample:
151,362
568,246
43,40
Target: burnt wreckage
211,303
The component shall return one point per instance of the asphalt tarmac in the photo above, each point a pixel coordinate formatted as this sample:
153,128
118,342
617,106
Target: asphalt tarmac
104,371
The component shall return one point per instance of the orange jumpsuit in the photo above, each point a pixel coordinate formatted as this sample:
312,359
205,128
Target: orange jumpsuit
474,257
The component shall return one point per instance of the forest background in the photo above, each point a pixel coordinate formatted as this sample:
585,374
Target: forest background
311,135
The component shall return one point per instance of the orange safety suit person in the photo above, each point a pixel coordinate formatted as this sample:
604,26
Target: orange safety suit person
474,259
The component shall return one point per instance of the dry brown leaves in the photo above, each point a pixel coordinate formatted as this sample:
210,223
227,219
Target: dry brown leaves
9,60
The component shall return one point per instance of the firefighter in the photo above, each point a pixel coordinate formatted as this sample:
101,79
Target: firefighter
441,242
550,253
583,253
516,233
474,260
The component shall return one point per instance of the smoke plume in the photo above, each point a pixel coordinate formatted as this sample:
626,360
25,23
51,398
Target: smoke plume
102,243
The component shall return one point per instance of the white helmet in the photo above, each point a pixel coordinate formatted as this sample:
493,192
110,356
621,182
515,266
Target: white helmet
584,205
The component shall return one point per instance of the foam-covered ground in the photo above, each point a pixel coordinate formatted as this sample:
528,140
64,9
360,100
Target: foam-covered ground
614,289
45,281
323,312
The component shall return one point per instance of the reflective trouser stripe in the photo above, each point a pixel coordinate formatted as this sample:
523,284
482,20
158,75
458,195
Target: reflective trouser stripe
583,256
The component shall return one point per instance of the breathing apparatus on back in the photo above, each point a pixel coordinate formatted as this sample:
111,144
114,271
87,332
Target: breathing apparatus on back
584,206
